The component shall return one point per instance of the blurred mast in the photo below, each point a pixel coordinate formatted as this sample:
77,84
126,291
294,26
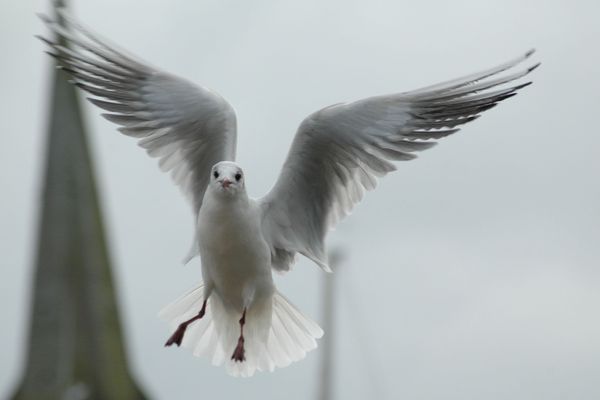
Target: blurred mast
75,348
326,375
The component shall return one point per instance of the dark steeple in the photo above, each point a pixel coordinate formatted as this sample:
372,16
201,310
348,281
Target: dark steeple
75,346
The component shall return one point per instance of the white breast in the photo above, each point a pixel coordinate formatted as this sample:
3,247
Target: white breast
235,257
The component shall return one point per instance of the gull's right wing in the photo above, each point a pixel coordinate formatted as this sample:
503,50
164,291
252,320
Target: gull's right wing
188,127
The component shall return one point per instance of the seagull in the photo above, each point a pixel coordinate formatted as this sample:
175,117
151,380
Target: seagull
237,317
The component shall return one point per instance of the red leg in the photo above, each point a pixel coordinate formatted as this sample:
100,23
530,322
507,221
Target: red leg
177,336
238,354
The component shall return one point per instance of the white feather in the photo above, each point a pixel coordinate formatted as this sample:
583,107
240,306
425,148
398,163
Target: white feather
290,336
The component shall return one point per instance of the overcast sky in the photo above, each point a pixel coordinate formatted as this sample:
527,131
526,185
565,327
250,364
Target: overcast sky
472,271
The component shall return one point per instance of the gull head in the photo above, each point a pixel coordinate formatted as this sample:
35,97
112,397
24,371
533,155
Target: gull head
227,178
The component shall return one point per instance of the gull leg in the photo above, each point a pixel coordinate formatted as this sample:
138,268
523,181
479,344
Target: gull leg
238,353
177,336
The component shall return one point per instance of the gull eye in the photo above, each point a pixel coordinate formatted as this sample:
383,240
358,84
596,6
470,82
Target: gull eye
216,174
238,176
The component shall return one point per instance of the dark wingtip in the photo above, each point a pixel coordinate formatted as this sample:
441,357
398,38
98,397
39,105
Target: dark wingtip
533,67
530,52
51,54
521,86
46,19
43,39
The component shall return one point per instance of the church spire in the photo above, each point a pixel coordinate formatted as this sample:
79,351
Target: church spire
75,345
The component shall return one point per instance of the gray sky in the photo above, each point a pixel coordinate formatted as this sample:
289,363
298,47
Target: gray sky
473,271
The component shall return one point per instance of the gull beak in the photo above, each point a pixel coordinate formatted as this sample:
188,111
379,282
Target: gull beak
225,183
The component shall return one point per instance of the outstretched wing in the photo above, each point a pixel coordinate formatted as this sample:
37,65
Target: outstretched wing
189,128
339,152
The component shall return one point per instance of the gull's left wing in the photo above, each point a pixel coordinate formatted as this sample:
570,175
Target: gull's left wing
339,152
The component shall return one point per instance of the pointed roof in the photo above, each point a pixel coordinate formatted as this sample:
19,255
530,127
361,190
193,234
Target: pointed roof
75,348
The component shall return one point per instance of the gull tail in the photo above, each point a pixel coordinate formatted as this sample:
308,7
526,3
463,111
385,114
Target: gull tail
276,333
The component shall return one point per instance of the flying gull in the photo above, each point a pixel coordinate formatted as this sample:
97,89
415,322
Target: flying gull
237,317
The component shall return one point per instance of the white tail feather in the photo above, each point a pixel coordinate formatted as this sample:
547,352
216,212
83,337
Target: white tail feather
276,333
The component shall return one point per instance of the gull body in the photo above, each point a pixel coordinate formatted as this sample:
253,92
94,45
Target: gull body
236,261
